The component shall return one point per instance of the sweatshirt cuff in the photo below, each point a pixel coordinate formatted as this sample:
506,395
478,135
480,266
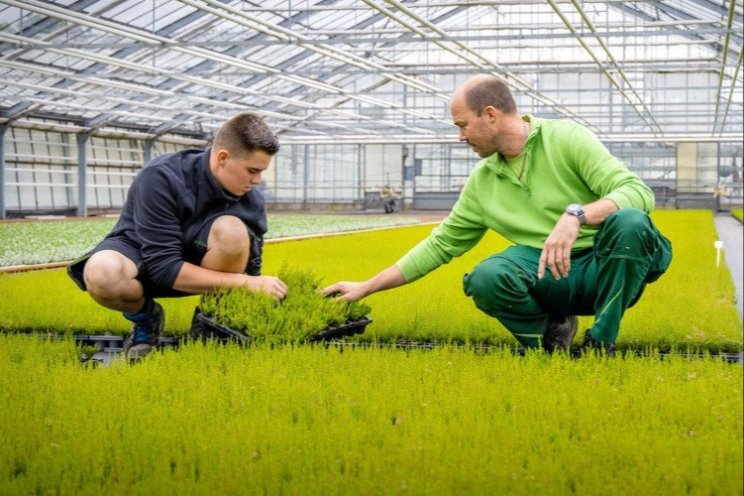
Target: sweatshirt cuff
620,199
408,269
417,263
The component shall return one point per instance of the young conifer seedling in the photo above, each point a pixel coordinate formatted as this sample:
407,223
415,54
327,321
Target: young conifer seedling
303,315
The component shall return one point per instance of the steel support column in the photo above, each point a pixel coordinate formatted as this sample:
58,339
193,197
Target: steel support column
3,128
305,174
82,141
147,151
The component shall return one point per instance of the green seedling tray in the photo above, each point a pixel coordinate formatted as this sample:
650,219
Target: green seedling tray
210,328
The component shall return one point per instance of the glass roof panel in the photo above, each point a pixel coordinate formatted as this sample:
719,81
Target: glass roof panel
624,68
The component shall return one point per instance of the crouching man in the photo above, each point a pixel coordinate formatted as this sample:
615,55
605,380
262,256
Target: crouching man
193,221
584,243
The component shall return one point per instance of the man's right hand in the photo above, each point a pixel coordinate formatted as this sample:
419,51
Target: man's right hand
268,284
349,291
353,291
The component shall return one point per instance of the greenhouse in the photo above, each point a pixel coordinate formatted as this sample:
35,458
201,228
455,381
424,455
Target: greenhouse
540,203
358,92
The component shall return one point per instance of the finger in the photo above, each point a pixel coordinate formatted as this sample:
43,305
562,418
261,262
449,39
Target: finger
541,265
278,291
560,262
330,289
348,297
566,261
552,265
282,290
330,294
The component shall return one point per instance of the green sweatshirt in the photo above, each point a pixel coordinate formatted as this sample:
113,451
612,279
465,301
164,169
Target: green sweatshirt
565,163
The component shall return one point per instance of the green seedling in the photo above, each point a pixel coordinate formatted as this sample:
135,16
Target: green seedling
57,241
690,307
212,419
297,318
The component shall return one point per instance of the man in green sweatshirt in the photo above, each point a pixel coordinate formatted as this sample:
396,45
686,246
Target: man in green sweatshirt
584,243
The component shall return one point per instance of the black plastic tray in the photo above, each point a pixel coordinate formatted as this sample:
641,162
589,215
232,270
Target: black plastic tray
105,342
210,328
109,348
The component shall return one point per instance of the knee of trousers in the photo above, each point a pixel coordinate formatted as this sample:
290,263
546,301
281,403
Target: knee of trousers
494,283
628,230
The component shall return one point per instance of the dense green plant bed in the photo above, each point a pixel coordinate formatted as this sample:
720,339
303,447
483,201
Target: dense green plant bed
310,420
738,213
691,306
300,317
55,241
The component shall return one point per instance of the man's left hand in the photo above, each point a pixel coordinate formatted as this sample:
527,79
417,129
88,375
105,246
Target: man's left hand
556,253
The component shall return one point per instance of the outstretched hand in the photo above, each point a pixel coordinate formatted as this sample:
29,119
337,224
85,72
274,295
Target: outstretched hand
270,285
556,253
349,291
353,291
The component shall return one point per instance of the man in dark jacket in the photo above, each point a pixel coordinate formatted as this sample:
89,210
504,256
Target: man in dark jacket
193,221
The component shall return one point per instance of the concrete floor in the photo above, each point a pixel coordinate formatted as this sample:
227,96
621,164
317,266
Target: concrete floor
731,233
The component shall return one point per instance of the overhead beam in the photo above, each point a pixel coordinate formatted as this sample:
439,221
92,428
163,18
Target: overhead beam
671,11
732,10
355,37
643,112
476,59
452,139
3,128
17,110
299,39
734,81
156,40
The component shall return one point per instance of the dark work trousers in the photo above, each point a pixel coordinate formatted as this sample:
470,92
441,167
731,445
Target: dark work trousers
605,280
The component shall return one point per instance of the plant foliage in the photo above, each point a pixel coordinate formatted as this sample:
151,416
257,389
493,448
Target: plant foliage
691,306
297,318
32,242
209,419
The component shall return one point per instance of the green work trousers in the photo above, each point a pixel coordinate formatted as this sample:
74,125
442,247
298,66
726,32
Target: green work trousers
605,280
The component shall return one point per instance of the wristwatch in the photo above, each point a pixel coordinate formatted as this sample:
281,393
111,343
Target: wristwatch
577,211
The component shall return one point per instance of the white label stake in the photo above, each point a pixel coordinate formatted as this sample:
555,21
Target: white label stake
718,245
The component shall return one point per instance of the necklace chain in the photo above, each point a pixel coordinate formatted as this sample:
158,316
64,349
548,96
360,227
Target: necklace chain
524,151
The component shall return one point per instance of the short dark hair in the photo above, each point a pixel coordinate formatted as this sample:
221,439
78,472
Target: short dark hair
246,132
490,91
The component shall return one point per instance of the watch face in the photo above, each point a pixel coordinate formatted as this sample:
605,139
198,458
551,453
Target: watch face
577,211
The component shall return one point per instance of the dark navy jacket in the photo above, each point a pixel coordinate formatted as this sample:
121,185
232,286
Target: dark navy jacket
170,200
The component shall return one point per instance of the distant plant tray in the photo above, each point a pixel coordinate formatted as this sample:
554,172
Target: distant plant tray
210,328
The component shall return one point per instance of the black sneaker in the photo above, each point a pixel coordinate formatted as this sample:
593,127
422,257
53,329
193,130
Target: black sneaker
590,344
559,333
145,335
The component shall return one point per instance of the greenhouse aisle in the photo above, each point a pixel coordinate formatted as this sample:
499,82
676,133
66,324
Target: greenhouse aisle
730,233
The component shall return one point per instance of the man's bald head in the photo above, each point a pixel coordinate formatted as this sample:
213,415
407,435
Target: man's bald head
484,90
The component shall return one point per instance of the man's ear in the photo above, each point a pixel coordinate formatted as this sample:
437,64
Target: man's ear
222,156
492,114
